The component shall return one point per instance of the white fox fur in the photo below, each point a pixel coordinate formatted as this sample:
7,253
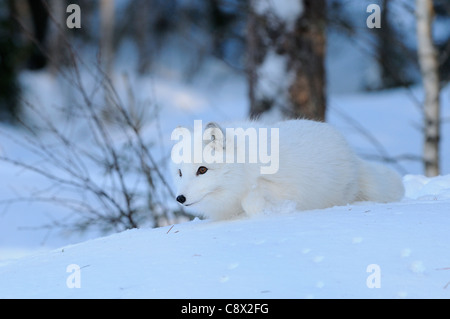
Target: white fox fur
317,169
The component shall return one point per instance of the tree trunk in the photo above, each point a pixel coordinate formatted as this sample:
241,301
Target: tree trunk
308,90
107,54
386,49
39,14
106,34
430,76
57,35
9,53
144,15
285,61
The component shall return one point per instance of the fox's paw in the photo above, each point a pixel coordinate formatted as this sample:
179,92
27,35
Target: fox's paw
253,203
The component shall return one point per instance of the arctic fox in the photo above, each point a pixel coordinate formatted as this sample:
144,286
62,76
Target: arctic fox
316,169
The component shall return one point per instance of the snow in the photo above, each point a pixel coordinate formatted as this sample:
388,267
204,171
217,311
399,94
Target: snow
287,11
274,78
281,254
425,188
284,253
313,254
337,252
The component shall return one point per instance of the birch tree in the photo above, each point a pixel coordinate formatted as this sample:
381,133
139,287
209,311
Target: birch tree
430,76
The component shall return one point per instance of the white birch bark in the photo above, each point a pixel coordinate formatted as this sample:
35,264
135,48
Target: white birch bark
430,76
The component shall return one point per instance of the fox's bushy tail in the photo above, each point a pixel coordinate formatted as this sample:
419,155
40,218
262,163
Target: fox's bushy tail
379,183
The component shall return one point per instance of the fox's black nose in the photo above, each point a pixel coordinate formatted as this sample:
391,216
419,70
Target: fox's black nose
181,199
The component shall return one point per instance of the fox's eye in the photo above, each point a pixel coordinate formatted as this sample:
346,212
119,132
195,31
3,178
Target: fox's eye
179,172
201,170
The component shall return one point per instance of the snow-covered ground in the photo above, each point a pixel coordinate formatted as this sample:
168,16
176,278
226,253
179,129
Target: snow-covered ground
366,250
401,250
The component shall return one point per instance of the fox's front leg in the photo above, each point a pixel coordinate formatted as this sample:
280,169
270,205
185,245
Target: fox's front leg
254,202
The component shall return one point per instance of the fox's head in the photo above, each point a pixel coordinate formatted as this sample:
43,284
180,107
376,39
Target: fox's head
209,187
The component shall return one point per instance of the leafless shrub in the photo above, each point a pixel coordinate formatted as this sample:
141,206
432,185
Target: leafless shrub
99,163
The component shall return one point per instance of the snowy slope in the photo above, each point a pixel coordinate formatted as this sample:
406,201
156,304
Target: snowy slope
313,254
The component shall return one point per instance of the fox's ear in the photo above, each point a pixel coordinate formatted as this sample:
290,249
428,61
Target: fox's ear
215,134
